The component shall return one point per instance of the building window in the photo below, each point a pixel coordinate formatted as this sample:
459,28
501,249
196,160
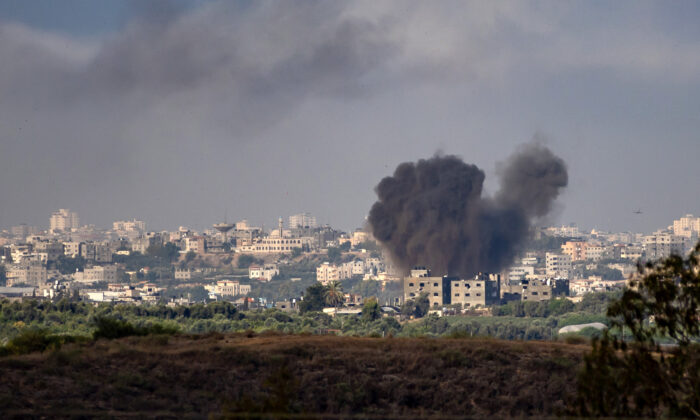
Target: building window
478,294
478,285
410,284
456,294
456,284
467,294
436,294
412,294
422,284
545,293
534,293
435,285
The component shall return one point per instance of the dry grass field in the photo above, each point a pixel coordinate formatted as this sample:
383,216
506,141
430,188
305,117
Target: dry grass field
291,376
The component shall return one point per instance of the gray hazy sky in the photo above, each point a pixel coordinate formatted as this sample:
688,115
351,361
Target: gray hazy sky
176,112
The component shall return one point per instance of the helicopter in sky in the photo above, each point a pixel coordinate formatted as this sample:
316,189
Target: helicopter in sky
638,211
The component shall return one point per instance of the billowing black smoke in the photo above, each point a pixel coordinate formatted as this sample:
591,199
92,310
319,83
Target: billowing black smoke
432,212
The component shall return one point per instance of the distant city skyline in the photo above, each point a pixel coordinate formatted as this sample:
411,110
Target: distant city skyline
176,112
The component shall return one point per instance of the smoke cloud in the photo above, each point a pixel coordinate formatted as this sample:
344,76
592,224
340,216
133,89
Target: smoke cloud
432,212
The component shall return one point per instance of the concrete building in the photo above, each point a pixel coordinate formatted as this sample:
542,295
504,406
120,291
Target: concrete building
302,220
64,220
661,244
125,227
31,273
23,230
420,281
229,288
687,226
104,273
275,245
557,265
263,273
575,249
196,244
327,273
48,250
534,289
481,291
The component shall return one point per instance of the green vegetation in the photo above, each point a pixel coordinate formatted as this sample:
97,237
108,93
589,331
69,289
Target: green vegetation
637,377
246,260
166,253
68,265
112,328
272,375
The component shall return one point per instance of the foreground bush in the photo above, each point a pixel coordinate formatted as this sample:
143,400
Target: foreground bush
35,340
640,378
111,328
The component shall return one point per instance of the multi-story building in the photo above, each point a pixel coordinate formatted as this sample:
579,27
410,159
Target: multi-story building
661,244
124,227
557,265
196,244
264,273
420,281
302,220
32,273
63,221
71,249
687,226
103,273
481,291
48,250
327,273
575,249
534,289
229,288
275,245
23,230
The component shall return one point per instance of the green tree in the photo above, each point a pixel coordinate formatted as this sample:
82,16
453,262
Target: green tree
68,265
246,260
371,310
314,299
334,294
334,254
417,307
166,253
637,378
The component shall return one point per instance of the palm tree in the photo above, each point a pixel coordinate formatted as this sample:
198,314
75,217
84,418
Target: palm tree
334,294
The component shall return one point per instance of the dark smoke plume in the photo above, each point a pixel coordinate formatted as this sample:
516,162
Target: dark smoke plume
432,212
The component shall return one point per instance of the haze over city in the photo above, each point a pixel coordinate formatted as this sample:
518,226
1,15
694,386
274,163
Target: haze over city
178,113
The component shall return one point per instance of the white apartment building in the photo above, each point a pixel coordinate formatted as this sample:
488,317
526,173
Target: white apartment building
107,273
661,244
558,265
129,226
687,226
71,249
264,273
327,273
63,221
229,288
302,220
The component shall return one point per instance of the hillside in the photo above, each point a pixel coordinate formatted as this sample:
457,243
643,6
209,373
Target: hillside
228,375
